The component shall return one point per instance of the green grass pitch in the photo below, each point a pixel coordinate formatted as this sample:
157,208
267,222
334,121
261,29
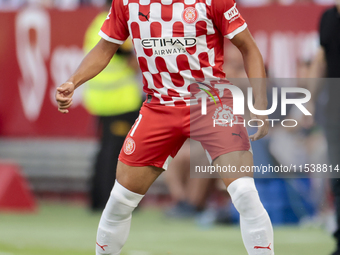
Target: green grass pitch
61,229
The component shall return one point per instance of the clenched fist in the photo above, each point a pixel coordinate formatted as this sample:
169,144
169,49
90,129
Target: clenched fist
64,96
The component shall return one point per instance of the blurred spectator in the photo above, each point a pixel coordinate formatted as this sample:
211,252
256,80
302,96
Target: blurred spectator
190,194
326,64
324,2
10,5
114,97
97,3
66,4
289,2
252,3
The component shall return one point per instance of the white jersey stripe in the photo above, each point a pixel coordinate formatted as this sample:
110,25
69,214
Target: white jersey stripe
107,38
136,125
236,31
189,1
144,2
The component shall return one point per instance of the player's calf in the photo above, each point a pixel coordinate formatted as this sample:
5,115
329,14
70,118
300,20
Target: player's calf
256,227
114,225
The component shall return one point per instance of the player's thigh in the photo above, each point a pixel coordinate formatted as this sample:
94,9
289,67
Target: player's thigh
137,179
239,161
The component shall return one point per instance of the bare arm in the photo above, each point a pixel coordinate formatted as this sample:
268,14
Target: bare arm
93,63
253,64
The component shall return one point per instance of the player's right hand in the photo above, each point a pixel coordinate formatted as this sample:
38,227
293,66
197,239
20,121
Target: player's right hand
64,95
263,127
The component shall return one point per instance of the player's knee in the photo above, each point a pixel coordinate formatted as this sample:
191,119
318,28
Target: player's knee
121,203
245,197
249,205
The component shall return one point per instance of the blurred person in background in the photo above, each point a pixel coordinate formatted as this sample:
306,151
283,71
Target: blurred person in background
327,64
114,97
252,3
324,2
189,194
66,5
11,5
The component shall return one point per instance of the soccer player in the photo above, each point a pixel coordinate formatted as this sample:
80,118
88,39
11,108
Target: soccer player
176,42
115,107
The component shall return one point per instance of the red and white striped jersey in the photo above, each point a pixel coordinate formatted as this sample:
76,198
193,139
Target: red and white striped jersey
177,42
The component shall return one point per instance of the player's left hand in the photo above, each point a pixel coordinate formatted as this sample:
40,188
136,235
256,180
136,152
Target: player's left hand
64,96
263,126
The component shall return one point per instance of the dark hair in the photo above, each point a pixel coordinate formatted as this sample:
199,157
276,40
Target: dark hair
108,2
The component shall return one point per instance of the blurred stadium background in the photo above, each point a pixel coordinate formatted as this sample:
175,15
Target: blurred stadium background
46,157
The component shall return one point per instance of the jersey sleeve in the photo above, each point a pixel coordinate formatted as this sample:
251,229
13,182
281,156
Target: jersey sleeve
115,28
227,18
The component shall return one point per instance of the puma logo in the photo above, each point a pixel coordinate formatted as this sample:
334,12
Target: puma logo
101,246
262,247
143,15
234,134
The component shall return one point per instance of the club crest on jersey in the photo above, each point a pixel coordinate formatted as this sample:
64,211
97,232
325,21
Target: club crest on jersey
190,15
129,146
225,113
232,14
